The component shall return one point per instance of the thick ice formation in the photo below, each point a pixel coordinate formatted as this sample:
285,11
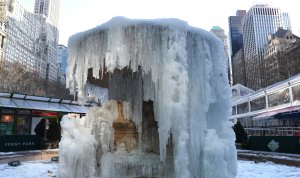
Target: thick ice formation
178,67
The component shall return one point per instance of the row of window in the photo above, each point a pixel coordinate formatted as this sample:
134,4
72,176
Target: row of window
20,55
13,121
271,100
266,11
271,127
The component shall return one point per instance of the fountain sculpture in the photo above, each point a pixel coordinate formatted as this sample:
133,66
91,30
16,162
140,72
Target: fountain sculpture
165,103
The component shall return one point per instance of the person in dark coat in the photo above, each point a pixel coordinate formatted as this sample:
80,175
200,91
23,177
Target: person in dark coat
40,128
53,133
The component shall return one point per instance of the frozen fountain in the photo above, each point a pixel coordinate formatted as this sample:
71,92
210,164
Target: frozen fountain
165,103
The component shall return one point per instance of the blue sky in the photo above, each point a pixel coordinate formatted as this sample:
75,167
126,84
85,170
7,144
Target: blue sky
80,15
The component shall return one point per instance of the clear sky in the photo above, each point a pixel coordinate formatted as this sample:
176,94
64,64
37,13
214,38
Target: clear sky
81,15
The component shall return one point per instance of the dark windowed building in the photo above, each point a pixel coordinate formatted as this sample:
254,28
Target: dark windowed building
235,31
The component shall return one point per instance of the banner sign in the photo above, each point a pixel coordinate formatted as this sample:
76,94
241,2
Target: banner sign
19,143
44,113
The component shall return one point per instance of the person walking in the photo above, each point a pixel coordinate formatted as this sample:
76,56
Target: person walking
53,133
40,130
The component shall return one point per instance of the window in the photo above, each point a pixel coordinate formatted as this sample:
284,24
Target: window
258,104
296,92
233,110
23,125
243,108
6,124
278,98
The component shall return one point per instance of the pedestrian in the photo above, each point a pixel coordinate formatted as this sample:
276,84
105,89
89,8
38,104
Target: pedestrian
53,133
40,128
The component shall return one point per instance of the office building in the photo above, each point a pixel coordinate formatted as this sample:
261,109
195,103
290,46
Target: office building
235,40
21,32
62,62
235,31
258,23
49,9
238,66
48,43
29,39
281,59
48,12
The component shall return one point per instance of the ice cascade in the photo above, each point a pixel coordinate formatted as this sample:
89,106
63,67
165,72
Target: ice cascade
165,103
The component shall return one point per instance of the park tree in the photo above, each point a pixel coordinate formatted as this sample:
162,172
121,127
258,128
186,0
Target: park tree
17,78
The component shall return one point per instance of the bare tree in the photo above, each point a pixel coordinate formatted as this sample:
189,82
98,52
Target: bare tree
17,78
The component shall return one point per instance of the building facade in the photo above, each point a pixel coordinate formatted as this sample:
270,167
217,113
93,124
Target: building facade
3,28
257,111
49,9
238,66
281,60
293,58
30,39
48,43
48,12
235,32
271,113
21,35
2,40
235,40
258,22
19,115
63,62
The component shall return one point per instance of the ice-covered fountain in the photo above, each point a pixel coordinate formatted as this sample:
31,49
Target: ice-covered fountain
165,103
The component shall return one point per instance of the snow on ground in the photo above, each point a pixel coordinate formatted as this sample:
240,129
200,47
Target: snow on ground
249,169
30,169
246,169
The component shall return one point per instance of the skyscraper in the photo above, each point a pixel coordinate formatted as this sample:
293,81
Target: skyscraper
48,8
62,57
21,31
235,31
48,12
258,22
236,44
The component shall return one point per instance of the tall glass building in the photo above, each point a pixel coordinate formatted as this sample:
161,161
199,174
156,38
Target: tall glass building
236,44
258,22
235,31
62,57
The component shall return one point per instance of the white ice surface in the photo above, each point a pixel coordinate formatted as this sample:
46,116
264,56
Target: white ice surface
181,69
246,169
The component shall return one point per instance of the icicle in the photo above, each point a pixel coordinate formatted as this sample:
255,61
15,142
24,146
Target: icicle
178,67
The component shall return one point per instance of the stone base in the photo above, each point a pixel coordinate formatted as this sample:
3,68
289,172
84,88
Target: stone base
136,165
